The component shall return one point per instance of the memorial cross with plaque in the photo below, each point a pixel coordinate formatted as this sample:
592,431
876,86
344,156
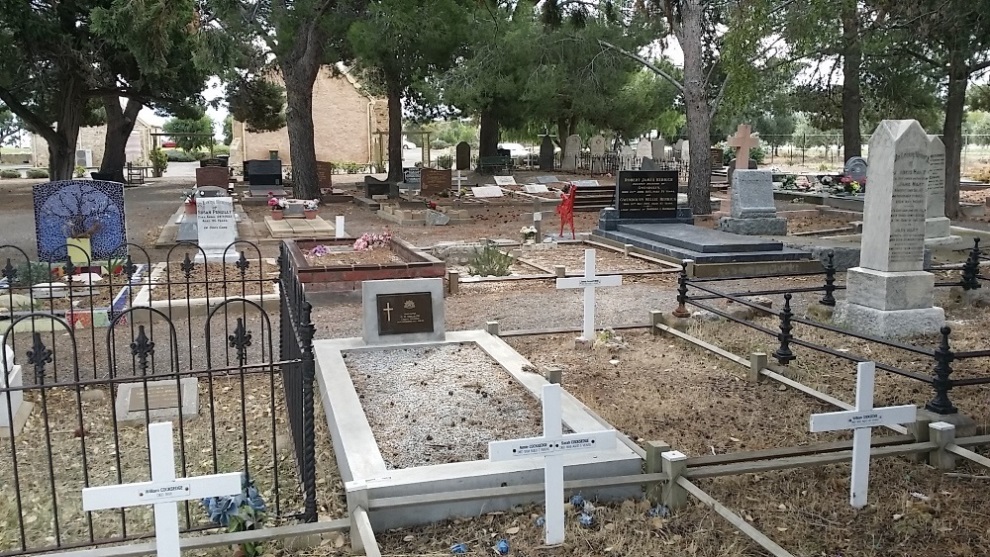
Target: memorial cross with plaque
163,491
743,141
862,420
400,314
589,282
552,446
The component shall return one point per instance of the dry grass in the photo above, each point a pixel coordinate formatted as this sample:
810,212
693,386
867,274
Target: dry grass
572,258
216,280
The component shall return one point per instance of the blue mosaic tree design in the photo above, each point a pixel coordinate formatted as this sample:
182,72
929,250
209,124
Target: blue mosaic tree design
75,206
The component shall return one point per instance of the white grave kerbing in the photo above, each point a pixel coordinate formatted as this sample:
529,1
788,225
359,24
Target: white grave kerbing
164,490
862,420
552,446
216,227
589,282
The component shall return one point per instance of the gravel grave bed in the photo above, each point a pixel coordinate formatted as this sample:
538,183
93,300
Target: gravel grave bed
440,404
213,275
805,224
82,297
346,256
572,257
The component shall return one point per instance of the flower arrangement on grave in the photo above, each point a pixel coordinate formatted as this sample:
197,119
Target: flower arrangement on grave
275,203
789,183
319,250
239,513
369,241
528,234
848,185
311,205
431,205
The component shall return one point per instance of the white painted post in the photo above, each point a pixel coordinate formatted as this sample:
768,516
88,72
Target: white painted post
339,227
552,446
589,282
163,491
862,420
538,225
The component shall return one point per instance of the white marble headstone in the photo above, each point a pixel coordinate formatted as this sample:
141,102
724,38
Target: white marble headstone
658,147
644,149
505,180
937,225
896,198
216,226
486,191
572,150
597,146
535,188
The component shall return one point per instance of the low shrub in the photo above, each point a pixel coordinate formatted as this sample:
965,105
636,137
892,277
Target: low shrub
445,161
981,174
490,261
36,173
9,174
178,155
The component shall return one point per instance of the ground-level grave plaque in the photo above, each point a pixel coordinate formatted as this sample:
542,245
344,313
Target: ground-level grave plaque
535,188
646,194
157,400
504,180
547,180
482,192
500,397
862,420
403,310
552,446
164,491
589,282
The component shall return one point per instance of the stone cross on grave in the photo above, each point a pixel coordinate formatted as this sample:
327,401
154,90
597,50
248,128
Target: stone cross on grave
589,282
743,141
552,446
862,420
163,491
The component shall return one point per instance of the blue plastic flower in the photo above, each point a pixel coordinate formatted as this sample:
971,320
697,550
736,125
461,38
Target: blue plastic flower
577,501
540,521
459,548
586,520
659,511
221,510
502,547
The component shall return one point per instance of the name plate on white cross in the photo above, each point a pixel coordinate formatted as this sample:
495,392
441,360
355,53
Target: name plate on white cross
163,491
589,282
862,420
552,446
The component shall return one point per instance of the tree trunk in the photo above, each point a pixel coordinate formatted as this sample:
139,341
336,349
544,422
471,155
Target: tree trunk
488,134
852,100
62,144
955,107
562,135
299,82
689,36
395,132
120,124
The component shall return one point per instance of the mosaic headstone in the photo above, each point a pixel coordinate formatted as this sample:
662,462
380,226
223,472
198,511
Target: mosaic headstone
69,207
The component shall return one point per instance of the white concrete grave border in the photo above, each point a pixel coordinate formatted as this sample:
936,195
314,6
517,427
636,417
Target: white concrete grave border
362,466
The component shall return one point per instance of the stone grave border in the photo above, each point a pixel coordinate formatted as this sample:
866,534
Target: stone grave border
95,317
337,278
362,467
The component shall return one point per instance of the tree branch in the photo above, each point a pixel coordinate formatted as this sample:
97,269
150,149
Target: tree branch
33,121
718,99
645,63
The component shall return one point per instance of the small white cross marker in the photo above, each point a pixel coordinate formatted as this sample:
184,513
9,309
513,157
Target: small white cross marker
862,420
589,282
552,446
460,179
163,491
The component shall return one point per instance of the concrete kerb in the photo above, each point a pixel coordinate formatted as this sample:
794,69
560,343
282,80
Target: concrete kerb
359,459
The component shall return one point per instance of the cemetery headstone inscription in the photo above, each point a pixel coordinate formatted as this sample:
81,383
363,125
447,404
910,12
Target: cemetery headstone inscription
889,294
412,177
403,310
646,194
572,153
552,446
504,180
753,211
862,420
434,181
216,227
164,490
938,228
597,147
217,176
324,174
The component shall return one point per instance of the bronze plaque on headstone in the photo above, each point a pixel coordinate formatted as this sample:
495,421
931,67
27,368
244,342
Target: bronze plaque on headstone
158,398
433,181
324,174
405,313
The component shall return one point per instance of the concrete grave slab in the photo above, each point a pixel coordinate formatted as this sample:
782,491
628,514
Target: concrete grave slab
363,468
161,402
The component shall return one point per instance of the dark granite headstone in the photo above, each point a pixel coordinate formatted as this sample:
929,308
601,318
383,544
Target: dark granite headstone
646,194
405,313
212,176
463,156
373,186
264,176
546,153
648,164
412,177
434,181
856,169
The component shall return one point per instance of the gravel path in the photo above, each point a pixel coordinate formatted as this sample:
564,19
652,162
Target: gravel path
436,405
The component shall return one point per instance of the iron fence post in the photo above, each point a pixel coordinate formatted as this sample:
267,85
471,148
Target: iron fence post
682,289
942,383
828,299
972,268
783,353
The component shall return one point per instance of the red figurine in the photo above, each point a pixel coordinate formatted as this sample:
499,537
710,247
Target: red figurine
566,209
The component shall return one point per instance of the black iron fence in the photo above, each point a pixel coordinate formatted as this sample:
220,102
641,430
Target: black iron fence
100,349
941,356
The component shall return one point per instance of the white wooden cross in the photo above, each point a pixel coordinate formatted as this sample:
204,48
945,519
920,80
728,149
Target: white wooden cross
589,282
459,179
862,420
743,141
552,446
163,491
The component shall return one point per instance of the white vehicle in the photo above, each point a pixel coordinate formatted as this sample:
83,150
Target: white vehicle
516,150
406,144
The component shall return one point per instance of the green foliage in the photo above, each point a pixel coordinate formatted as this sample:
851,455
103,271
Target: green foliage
8,174
257,102
10,127
445,161
31,273
80,171
757,153
228,130
159,161
349,167
36,173
489,261
188,133
978,97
